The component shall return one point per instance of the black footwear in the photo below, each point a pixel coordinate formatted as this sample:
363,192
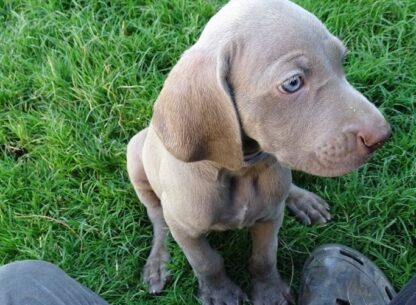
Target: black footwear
338,275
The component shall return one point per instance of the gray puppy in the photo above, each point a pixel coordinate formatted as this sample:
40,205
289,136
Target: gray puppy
260,93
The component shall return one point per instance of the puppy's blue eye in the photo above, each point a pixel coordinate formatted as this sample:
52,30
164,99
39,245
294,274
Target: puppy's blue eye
291,85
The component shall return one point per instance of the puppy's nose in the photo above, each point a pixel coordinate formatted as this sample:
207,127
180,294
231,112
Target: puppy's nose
373,138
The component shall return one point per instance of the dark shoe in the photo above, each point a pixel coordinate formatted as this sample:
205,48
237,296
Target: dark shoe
338,275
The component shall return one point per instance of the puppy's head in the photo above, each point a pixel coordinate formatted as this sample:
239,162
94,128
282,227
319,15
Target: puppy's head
270,71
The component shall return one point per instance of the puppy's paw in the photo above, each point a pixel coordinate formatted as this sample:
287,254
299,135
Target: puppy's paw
270,292
223,293
156,273
307,207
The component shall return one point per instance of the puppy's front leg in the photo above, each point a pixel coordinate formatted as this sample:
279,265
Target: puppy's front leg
215,288
307,207
267,286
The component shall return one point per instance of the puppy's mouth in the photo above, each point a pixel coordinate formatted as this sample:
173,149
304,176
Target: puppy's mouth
337,156
325,165
333,156
334,167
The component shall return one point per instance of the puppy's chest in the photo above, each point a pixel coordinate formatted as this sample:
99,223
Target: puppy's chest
251,197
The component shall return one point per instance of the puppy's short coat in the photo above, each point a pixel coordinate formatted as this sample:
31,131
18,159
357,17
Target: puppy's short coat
260,93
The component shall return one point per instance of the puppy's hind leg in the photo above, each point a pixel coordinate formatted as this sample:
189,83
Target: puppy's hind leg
155,272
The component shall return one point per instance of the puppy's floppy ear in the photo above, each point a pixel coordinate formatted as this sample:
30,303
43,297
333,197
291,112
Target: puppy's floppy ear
194,115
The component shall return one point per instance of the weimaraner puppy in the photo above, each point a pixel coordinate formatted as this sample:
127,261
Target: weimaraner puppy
262,92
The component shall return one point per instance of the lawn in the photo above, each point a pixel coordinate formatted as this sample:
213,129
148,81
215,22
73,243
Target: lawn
78,79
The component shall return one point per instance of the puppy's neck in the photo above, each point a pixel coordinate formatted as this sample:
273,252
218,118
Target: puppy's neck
252,152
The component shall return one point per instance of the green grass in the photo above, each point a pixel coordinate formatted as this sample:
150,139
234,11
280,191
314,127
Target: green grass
78,79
